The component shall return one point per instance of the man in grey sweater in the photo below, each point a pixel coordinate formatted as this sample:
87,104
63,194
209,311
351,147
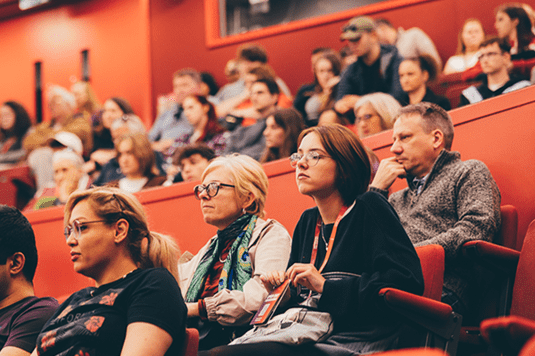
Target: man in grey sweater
448,201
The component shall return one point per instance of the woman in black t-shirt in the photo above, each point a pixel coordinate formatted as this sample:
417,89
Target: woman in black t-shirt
136,306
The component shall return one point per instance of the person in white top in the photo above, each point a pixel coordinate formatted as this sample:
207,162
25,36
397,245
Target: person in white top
471,36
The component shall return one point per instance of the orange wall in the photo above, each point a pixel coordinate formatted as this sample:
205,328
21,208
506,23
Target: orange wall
495,132
116,33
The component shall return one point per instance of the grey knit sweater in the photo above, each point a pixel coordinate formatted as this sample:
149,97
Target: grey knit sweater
460,202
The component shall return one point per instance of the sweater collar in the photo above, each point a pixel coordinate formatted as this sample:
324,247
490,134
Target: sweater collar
443,159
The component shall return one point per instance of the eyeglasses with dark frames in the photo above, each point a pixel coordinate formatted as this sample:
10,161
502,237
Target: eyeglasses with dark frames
77,227
211,189
311,158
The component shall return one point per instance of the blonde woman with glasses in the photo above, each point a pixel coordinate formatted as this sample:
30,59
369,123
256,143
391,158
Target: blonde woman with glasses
221,284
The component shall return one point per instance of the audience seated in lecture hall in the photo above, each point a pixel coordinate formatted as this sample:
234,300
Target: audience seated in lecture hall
173,123
189,162
249,56
447,202
410,43
221,283
281,133
135,306
103,148
126,124
375,113
307,90
495,59
68,177
249,140
201,115
61,104
87,103
241,106
137,162
376,69
14,124
514,25
470,37
327,69
414,76
360,247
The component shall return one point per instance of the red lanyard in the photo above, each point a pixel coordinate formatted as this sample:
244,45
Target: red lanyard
331,240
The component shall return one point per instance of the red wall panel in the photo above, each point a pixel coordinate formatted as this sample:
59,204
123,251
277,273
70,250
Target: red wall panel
115,33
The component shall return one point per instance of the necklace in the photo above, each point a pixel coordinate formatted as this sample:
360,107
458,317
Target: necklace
323,236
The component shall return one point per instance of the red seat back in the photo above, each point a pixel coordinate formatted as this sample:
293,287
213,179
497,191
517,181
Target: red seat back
524,289
529,348
508,236
191,342
432,261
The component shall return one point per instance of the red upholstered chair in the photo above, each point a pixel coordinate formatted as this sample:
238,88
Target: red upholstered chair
511,332
434,324
497,300
191,342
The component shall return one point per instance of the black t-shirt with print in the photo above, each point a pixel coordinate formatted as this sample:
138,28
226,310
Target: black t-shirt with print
93,321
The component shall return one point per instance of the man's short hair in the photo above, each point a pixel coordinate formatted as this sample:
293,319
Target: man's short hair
271,85
321,50
188,72
17,236
201,149
503,43
383,22
252,53
433,117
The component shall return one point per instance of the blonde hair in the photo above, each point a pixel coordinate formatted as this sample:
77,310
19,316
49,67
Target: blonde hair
147,249
248,176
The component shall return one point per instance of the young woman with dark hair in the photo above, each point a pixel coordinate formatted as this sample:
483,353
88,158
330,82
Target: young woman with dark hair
14,123
514,24
281,133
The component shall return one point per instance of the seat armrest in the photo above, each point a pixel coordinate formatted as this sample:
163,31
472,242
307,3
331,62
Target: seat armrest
429,308
492,256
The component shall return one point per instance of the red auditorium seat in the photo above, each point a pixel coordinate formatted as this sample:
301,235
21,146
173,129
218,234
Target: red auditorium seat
434,323
510,333
191,342
16,186
497,300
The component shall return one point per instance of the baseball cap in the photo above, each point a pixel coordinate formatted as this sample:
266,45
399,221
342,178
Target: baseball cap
354,29
68,139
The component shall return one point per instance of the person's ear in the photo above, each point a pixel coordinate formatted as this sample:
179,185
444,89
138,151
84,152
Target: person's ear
426,75
121,230
438,138
16,263
248,201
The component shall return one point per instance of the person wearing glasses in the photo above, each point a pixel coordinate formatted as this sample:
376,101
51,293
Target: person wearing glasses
375,113
344,251
495,60
135,306
221,284
376,69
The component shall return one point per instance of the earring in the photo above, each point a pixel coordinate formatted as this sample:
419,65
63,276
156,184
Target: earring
243,211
